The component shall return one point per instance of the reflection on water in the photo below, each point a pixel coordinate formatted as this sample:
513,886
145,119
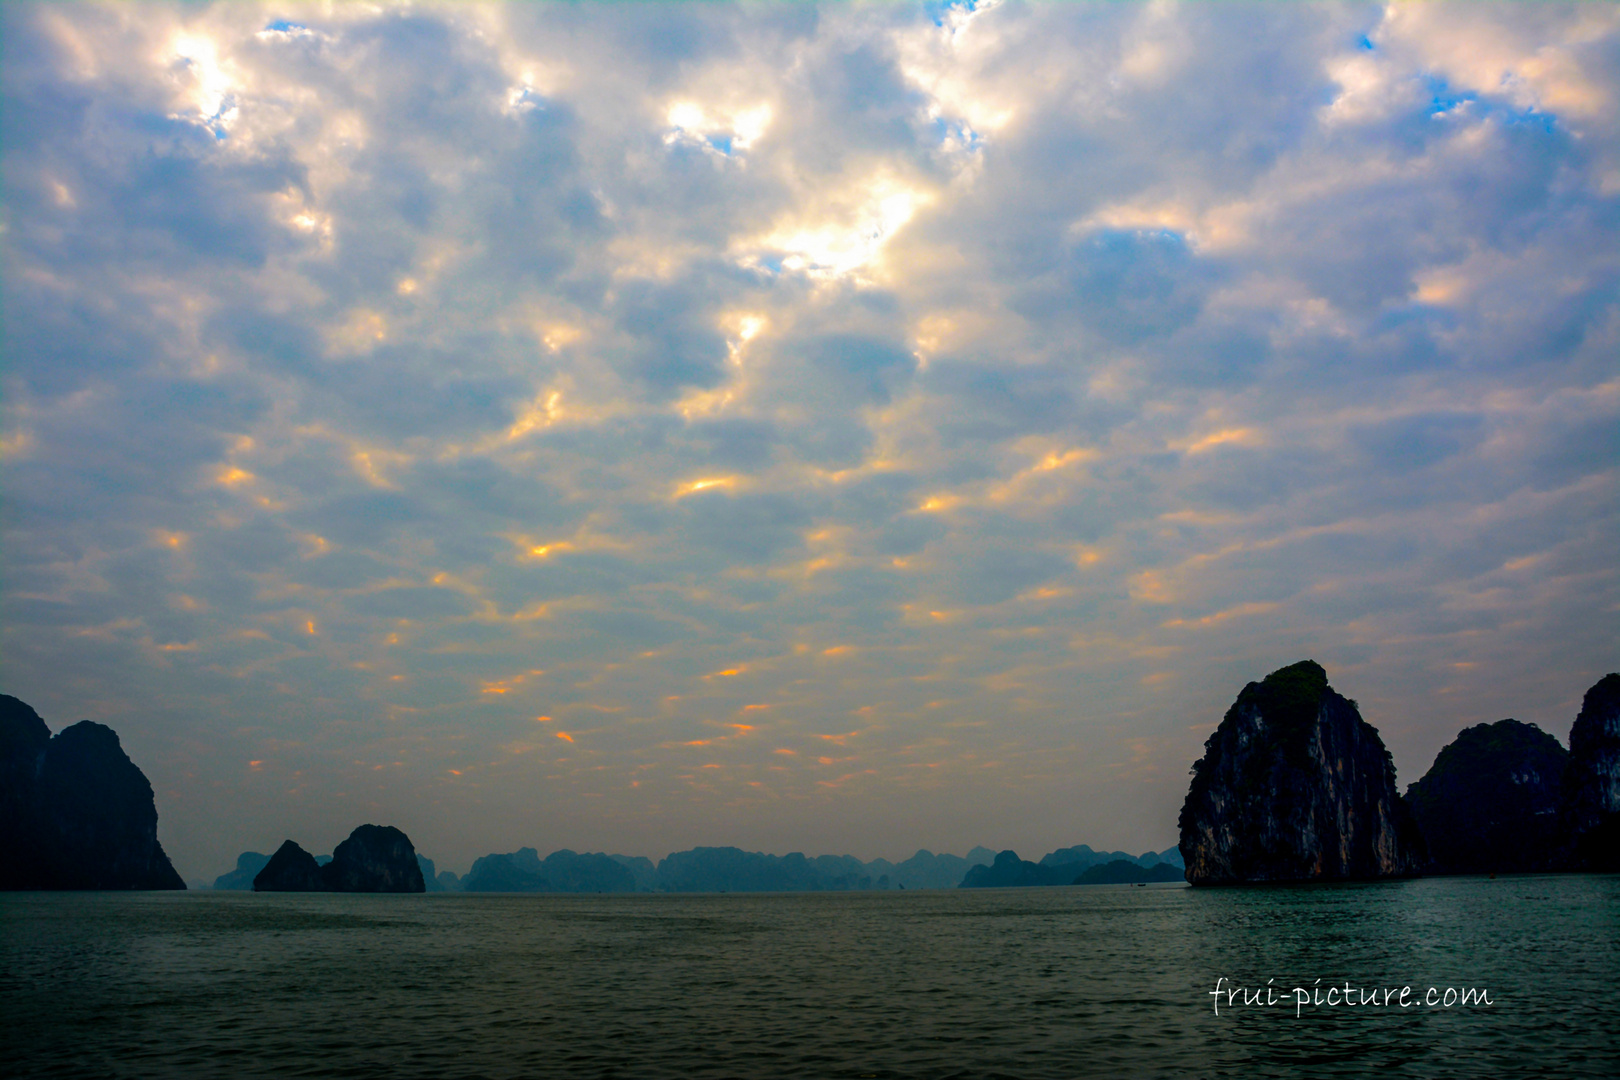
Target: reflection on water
1089,981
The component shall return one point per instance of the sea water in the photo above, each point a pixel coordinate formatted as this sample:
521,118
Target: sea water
1062,982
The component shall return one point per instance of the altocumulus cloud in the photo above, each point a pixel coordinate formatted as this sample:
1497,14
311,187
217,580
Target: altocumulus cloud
855,427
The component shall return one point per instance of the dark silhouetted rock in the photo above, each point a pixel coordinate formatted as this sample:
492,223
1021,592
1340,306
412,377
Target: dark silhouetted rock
1592,778
75,812
374,859
248,865
23,738
1490,801
1123,872
1295,786
290,869
449,882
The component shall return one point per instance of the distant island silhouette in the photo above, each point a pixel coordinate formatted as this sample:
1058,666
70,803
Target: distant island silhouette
730,869
1293,786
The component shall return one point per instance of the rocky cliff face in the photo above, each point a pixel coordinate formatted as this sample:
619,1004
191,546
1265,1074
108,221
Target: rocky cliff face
290,869
1295,786
1490,801
75,812
375,858
1592,780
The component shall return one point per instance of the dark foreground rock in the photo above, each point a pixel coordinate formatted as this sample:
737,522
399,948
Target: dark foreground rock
1295,786
1490,801
374,859
290,869
75,812
1592,779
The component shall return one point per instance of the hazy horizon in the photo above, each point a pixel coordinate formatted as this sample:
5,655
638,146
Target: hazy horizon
844,429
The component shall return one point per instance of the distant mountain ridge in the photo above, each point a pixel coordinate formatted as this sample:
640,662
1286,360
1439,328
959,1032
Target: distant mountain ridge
1076,866
731,869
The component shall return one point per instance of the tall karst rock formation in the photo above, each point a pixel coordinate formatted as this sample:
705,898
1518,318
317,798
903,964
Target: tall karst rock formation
1592,778
75,812
1295,786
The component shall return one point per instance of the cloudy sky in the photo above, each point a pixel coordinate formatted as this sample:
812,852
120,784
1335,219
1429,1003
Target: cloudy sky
828,428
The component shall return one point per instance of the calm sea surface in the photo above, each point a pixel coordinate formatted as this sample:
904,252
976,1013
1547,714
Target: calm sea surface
1070,982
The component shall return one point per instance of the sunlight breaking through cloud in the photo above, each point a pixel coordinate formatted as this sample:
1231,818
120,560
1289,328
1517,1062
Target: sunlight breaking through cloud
564,406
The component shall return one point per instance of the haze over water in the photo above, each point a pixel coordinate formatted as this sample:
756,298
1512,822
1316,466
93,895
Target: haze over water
1062,982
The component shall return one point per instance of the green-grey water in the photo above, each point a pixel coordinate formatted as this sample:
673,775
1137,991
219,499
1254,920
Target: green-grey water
1068,982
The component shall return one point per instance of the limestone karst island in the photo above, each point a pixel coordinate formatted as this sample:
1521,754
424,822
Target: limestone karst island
1293,786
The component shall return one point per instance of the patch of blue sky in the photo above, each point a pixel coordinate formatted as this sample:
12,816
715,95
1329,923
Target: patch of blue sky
1443,99
952,131
523,99
939,13
1446,102
1122,239
769,265
937,10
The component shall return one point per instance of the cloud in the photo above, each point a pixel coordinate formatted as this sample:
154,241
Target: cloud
1008,383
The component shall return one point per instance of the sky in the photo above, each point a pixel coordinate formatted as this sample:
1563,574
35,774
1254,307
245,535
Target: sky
828,428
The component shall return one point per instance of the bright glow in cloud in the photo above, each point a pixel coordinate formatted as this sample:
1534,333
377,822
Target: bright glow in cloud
725,134
474,414
862,222
210,86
